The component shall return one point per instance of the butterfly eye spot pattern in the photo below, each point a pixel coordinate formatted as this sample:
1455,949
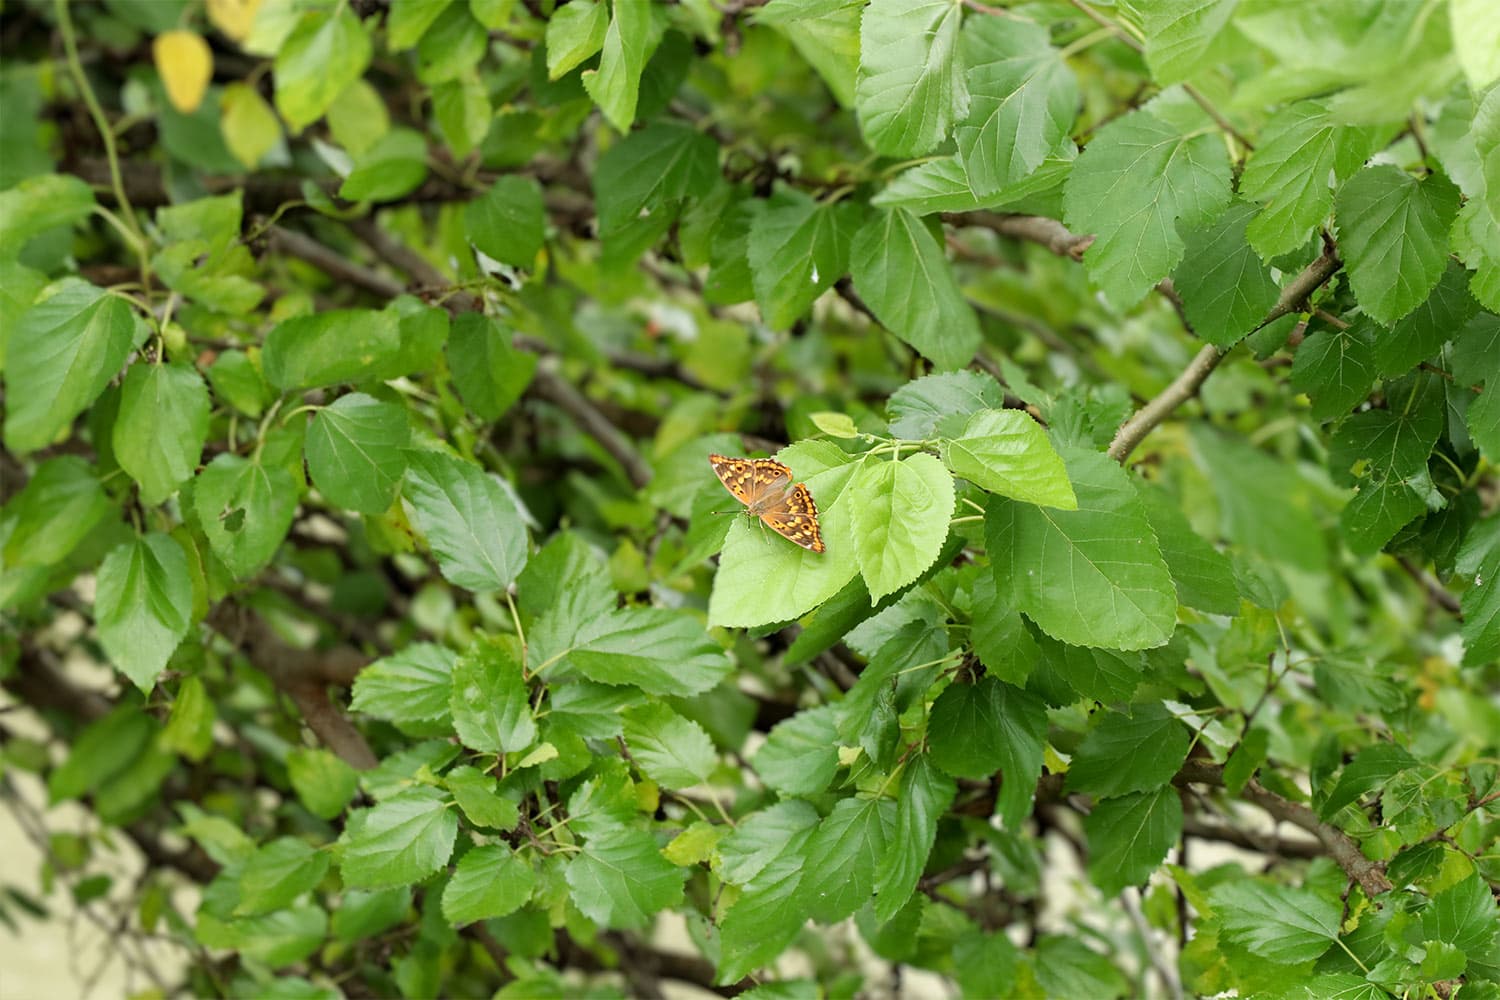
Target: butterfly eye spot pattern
766,489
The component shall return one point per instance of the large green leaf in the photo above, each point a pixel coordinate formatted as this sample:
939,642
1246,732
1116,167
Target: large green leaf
489,373
900,519
161,427
1023,99
942,185
1393,236
797,250
661,163
1276,922
574,33
848,844
1129,837
491,702
1180,35
925,794
245,508
771,910
142,603
277,873
903,276
332,346
469,519
64,350
53,513
631,37
326,53
659,651
356,452
1335,366
1480,558
911,85
978,729
1137,182
400,841
394,166
38,204
1007,453
1139,752
1289,173
1225,288
1202,574
1370,769
620,879
1094,576
410,685
825,33
672,751
489,882
941,404
800,755
508,223
1420,334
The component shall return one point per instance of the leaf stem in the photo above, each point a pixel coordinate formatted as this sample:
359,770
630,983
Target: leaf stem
520,632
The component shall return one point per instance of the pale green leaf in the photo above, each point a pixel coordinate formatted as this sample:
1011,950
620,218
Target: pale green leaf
574,33
400,841
1225,288
620,879
326,52
490,881
410,685
470,521
911,89
245,509
356,452
1007,453
1179,35
142,604
490,702
1281,923
672,751
631,37
901,511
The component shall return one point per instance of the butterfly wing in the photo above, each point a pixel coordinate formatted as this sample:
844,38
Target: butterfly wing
750,479
795,518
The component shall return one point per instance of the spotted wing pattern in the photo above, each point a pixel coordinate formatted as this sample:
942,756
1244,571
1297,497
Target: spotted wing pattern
766,489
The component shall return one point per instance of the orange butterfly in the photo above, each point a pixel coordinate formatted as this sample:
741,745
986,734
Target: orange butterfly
766,489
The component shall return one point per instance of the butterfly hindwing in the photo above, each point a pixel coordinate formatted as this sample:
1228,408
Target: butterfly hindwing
796,519
765,487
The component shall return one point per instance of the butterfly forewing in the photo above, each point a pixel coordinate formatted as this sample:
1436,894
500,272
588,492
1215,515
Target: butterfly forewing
766,489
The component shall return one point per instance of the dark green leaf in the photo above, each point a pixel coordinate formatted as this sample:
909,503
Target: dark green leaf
142,605
1139,752
670,750
1277,922
1129,837
797,250
491,702
277,873
800,755
1370,769
978,729
1336,367
1225,289
1392,231
925,794
489,882
619,879
646,170
508,223
1203,575
356,452
849,843
245,509
911,86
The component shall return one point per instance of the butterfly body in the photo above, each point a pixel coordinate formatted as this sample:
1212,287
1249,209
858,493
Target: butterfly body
766,489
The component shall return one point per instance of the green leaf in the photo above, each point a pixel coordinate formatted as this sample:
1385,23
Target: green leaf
40,203
1422,333
978,729
798,248
942,185
329,347
903,275
408,22
508,222
825,33
1139,752
1203,575
489,373
672,751
394,166
628,42
469,520
659,651
491,702
935,404
1370,769
463,114
1379,508
985,964
911,89
277,873
142,605
1023,101
189,731
1476,41
1462,916
575,32
53,513
1289,173
1179,35
661,163
250,127
356,452
1247,482
1104,675
400,841
1336,367
1007,453
326,53
161,427
1392,233
64,350
764,578
900,519
800,755
237,380
410,685
1281,923
323,782
1225,289
100,752
619,879
1094,576
1395,441
772,909
490,881
478,795
1129,837
999,635
925,795
283,938
848,845
452,47
245,509
1479,557
1139,180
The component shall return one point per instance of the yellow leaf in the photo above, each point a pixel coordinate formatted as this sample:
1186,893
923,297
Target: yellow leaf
185,65
233,18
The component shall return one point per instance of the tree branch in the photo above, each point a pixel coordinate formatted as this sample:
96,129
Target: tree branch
1186,385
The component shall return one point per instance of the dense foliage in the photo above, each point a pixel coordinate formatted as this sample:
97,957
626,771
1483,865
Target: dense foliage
361,366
